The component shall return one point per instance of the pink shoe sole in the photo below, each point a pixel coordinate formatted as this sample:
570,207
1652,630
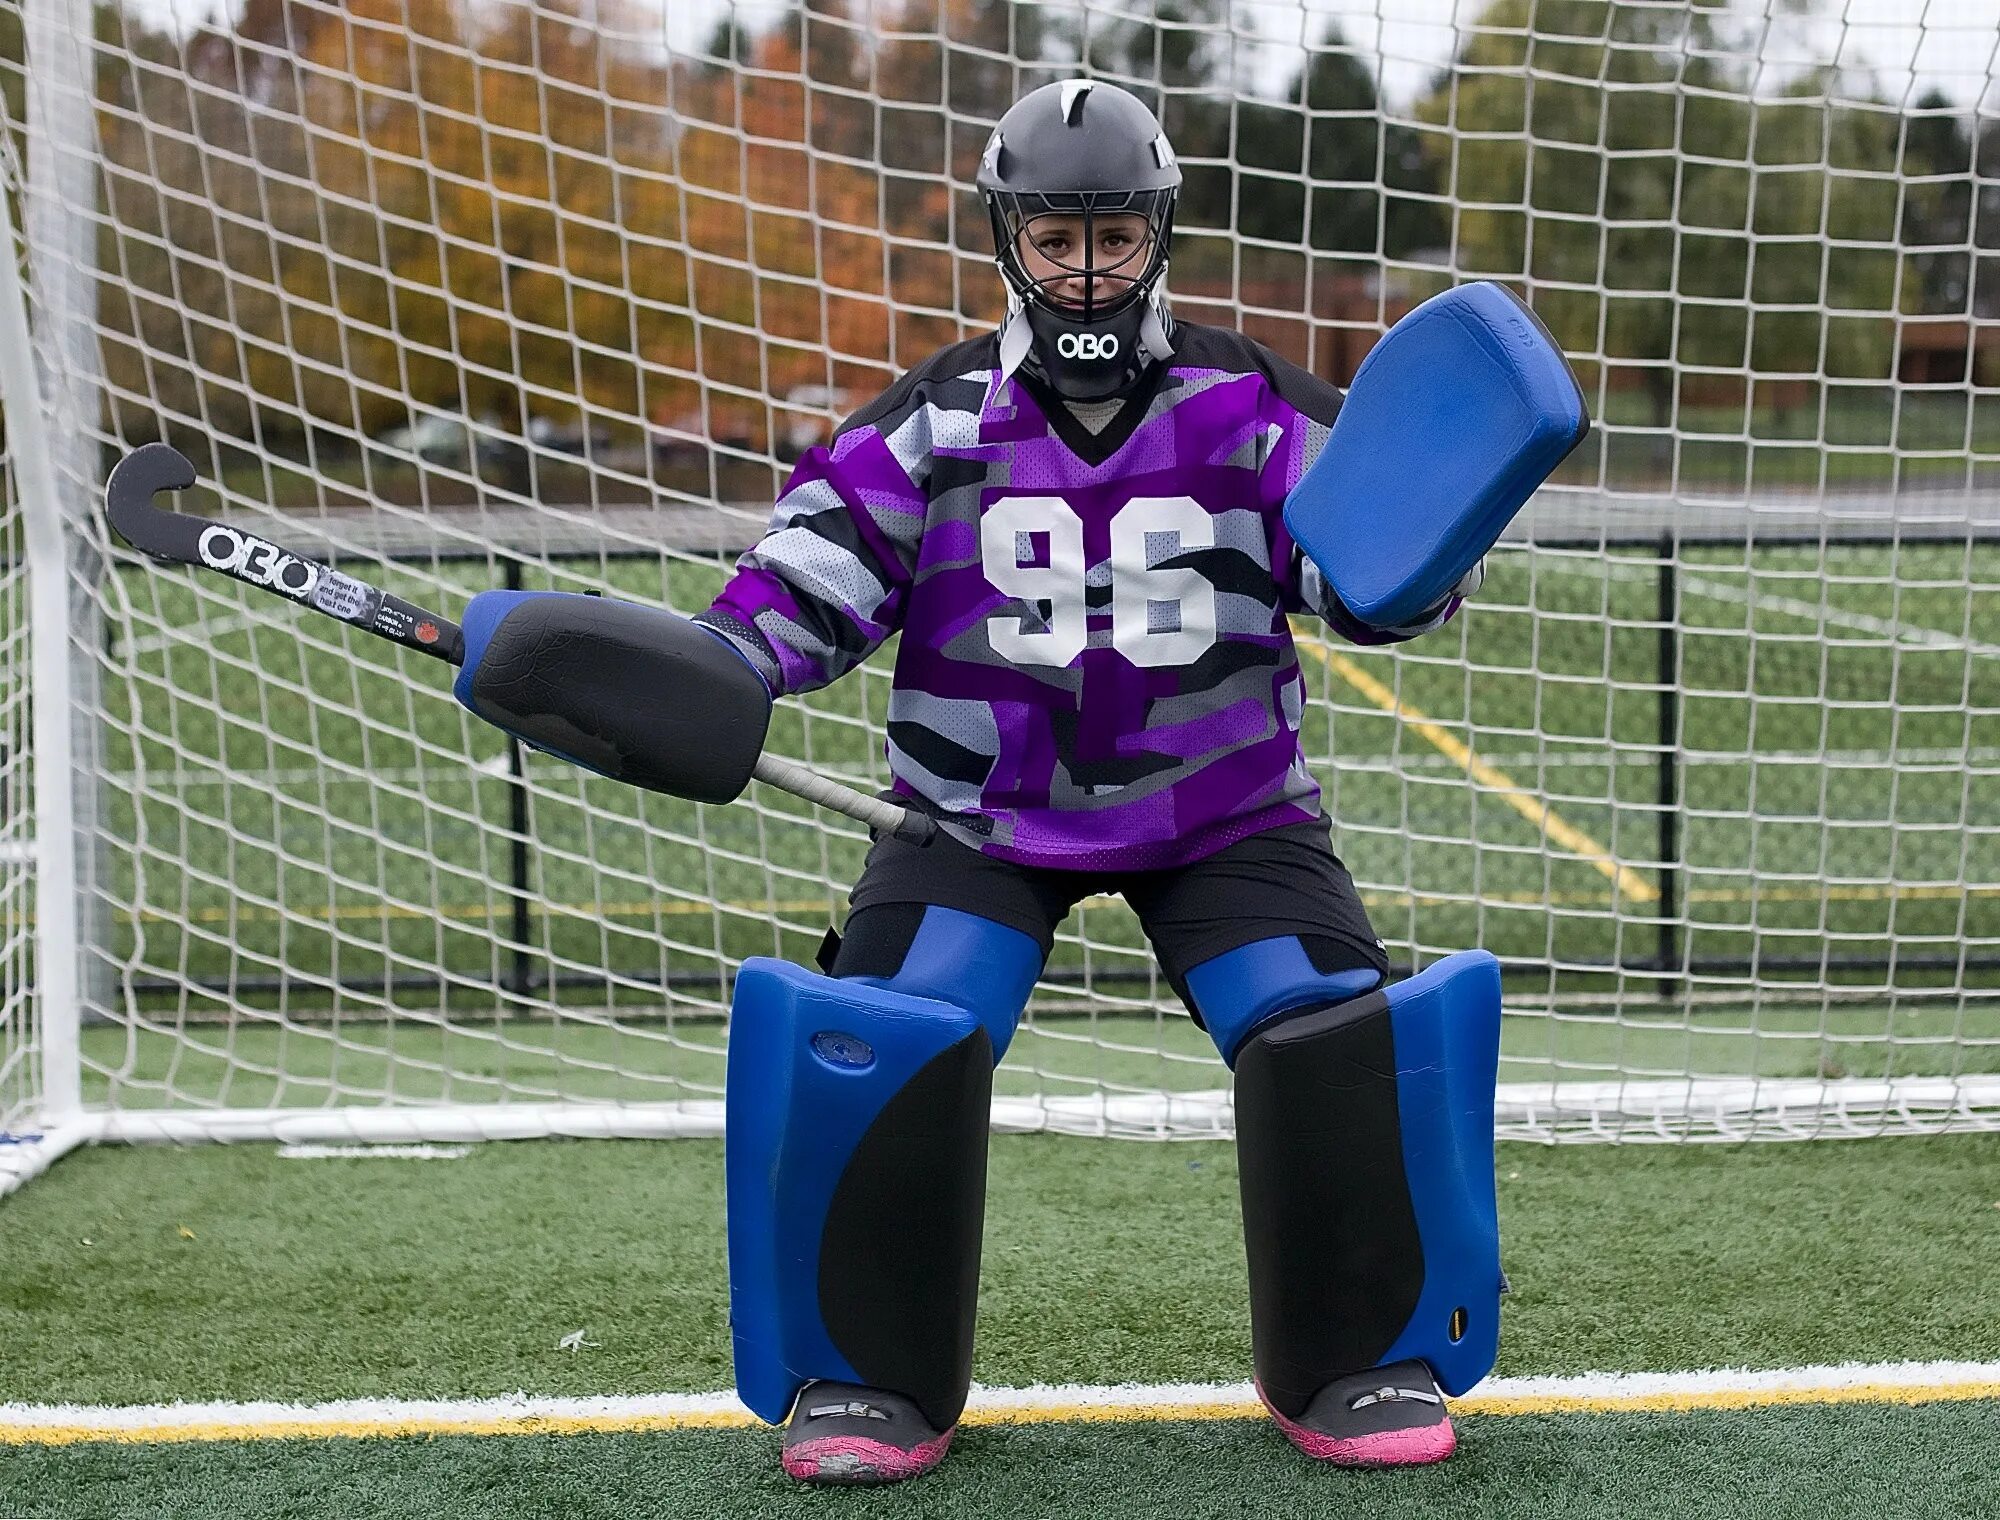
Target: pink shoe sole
856,1459
1388,1448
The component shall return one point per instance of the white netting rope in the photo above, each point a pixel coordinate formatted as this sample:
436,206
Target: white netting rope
503,293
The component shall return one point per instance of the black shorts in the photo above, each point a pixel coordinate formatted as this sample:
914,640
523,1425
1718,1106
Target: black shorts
1283,881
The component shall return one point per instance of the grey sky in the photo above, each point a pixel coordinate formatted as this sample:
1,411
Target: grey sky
1899,47
1902,46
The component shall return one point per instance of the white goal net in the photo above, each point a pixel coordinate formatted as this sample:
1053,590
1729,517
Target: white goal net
472,293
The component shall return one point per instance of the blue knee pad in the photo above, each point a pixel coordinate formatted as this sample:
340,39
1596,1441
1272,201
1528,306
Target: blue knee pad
1365,1137
985,968
1243,988
857,1116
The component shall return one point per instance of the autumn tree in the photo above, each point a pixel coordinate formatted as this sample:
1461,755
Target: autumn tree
512,207
495,180
1937,220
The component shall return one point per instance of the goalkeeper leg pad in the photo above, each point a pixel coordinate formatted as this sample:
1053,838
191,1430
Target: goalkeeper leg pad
857,1116
1365,1136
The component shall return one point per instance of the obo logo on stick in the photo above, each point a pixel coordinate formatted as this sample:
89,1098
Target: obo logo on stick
257,561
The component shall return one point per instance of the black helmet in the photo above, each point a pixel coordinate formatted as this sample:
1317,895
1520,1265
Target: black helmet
1082,150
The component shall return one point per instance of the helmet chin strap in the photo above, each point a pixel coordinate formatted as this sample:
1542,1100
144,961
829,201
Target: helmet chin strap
1016,338
1154,325
1147,340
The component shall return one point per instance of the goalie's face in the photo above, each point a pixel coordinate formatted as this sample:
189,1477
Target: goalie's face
1084,261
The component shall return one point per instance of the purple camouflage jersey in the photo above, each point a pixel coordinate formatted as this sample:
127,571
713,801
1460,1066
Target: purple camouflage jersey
1096,671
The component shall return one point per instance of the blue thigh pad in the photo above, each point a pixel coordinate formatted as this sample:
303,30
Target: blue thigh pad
1365,1135
857,1117
985,968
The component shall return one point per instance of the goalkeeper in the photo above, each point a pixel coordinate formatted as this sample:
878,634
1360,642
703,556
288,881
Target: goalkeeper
1091,529
1076,525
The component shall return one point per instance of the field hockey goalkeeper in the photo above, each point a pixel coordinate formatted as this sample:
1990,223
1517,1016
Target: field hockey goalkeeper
1091,529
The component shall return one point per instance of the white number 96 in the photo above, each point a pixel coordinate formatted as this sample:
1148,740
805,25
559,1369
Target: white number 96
1159,616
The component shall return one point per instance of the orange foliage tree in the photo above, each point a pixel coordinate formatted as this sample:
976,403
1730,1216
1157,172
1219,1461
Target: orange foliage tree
334,209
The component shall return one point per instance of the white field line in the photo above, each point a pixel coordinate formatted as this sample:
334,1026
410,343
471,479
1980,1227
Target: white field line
372,1152
1832,617
449,768
196,636
519,1414
1812,612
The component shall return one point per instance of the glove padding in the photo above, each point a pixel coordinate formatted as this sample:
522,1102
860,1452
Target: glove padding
1454,418
635,693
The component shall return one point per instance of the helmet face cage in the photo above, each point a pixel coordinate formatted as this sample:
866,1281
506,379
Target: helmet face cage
1108,288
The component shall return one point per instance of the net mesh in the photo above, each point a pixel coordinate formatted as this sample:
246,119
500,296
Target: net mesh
469,293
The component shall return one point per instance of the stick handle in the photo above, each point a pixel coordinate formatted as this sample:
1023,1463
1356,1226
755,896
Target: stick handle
883,817
243,556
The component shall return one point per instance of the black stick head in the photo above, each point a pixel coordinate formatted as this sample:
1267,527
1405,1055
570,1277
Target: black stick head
129,493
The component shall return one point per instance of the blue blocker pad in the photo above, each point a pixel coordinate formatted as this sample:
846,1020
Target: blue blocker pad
857,1117
1365,1141
635,693
1457,414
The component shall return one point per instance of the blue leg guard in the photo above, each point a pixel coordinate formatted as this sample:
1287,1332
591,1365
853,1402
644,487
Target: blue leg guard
1365,1137
857,1117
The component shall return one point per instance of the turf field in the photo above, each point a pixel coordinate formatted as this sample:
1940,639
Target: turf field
133,1277
298,812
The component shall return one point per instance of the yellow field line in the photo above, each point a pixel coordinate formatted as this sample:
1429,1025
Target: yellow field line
309,1428
1688,1403
1507,1406
1189,1403
1565,835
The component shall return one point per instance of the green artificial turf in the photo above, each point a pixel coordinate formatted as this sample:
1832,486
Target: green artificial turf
309,1063
186,1274
1772,1464
130,1276
292,801
295,811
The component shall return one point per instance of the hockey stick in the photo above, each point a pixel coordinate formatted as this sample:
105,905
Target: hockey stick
176,539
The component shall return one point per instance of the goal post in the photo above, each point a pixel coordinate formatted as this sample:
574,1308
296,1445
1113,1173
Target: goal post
550,293
50,770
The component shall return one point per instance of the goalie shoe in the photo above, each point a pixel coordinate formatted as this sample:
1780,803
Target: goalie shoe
845,1433
1385,1417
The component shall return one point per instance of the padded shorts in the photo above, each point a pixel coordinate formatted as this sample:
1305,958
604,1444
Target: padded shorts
1284,881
